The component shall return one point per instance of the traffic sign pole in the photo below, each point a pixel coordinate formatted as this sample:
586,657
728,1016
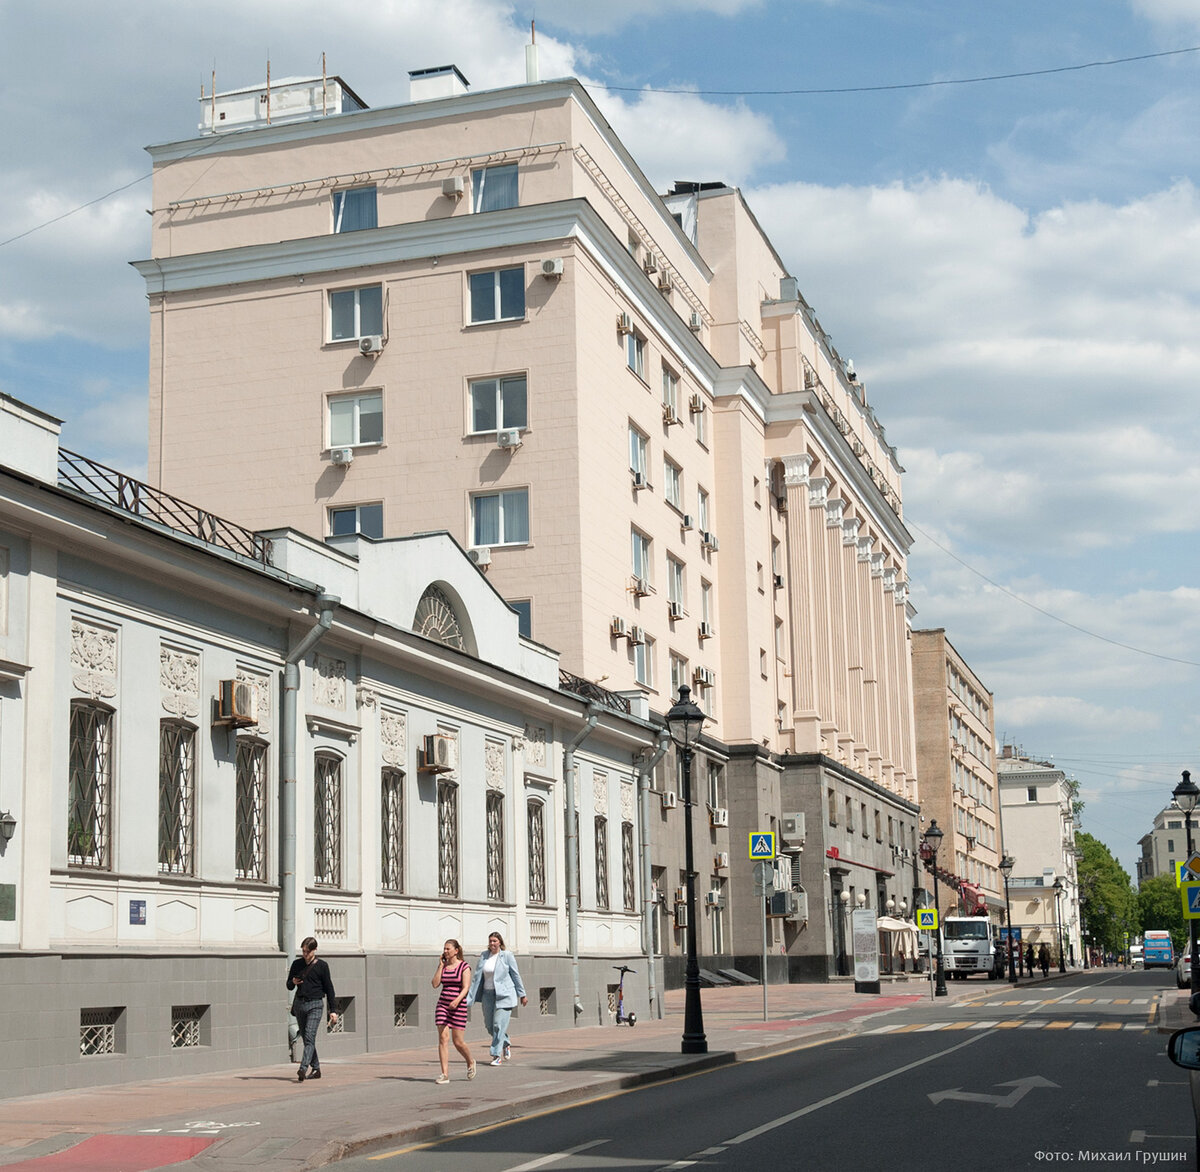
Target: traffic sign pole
764,885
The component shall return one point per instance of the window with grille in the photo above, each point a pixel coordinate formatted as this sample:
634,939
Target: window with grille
344,1008
176,797
602,862
535,813
495,846
447,838
327,820
251,799
628,886
187,1023
90,786
391,829
546,999
98,1031
404,1010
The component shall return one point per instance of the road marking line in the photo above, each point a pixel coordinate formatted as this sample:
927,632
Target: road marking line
926,1029
1084,1025
958,1025
1121,1001
1034,1025
1086,1001
887,1029
595,1143
1010,1025
783,1120
1058,1025
983,1025
1109,1025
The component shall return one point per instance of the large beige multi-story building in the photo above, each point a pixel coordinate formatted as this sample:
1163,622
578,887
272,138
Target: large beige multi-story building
1164,845
473,312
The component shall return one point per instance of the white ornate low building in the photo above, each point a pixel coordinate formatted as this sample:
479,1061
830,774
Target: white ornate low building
214,743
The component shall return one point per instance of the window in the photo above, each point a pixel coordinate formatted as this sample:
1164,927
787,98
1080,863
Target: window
706,606
628,884
879,826
498,295
1031,793
635,354
643,663
524,609
670,393
354,209
355,313
391,829
364,519
500,518
833,808
641,556
90,784
176,797
863,810
702,511
498,403
779,638
679,673
536,847
849,815
251,801
639,449
602,863
327,820
716,784
355,419
447,808
1171,845
675,592
700,419
494,188
495,845
673,483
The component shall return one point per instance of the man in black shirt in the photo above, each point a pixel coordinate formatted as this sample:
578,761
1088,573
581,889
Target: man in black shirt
309,976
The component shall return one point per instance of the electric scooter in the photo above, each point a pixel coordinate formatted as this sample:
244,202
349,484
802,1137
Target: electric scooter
623,1018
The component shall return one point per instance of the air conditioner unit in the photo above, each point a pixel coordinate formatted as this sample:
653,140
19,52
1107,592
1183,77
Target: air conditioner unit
510,437
714,898
706,630
237,703
657,895
695,322
639,481
674,610
665,284
670,415
639,587
553,267
637,636
686,521
720,816
680,896
681,916
704,678
371,345
453,188
617,628
709,541
650,264
481,555
439,754
696,404
670,799
778,578
810,379
785,903
720,860
341,456
624,324
791,828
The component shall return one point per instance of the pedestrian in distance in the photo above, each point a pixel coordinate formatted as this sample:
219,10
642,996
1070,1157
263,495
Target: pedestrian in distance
454,976
309,977
497,985
1044,960
1029,958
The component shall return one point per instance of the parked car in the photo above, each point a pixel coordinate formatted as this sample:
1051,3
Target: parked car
1183,971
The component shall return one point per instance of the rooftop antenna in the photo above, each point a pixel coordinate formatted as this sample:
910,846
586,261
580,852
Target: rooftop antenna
324,91
268,89
214,95
531,61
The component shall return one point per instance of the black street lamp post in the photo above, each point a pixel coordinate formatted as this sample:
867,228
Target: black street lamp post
685,721
1186,794
1059,888
1083,940
1006,869
932,839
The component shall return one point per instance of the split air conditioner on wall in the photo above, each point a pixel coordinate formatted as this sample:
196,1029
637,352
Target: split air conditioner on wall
237,703
617,628
552,267
342,457
695,322
371,345
481,555
439,754
791,828
720,816
624,324
669,800
510,437
454,187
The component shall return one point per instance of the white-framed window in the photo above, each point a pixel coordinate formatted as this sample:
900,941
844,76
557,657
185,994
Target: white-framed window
670,390
716,784
679,673
447,816
391,829
700,421
639,453
355,313
494,818
500,518
635,354
494,188
327,820
702,511
706,601
498,295
355,419
643,663
499,403
672,483
354,209
524,609
365,519
675,582
535,815
641,555
779,638
718,917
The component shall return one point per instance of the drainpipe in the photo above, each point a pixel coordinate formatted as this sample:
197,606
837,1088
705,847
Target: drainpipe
287,772
593,711
649,907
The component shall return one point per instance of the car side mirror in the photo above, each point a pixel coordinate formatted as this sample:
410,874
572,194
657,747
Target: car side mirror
1183,1048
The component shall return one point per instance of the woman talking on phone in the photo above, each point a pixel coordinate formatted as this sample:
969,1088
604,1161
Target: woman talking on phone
453,975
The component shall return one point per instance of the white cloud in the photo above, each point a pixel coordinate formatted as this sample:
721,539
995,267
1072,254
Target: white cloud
1170,13
1067,714
616,14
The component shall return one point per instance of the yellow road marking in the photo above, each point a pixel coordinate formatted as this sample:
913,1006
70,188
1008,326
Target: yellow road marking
1059,1025
1010,1025
1109,1025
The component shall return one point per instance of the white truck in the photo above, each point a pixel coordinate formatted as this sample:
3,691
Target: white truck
970,944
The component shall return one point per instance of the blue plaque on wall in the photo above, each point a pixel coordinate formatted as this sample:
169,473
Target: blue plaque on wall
137,911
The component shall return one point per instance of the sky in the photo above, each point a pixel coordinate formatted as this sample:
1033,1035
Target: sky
1013,265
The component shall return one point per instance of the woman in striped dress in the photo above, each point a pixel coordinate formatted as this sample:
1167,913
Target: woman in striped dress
454,976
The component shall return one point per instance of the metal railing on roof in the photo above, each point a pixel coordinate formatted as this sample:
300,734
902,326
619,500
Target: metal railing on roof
152,504
591,691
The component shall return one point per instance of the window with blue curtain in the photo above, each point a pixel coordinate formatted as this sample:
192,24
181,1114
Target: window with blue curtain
354,209
501,518
494,188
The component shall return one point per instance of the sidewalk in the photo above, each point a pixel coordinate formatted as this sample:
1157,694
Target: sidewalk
263,1119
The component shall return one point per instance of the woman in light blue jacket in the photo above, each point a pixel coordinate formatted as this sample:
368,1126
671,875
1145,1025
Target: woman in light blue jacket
496,983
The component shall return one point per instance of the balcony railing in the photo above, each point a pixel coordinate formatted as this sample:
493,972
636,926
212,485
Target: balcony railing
591,691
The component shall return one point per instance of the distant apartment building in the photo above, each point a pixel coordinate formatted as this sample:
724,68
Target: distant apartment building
956,741
1166,844
1037,807
473,312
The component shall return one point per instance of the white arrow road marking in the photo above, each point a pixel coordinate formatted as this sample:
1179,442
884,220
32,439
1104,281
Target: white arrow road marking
1021,1087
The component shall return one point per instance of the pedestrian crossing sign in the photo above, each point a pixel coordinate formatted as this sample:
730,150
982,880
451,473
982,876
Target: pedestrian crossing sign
762,844
927,919
1186,871
1191,900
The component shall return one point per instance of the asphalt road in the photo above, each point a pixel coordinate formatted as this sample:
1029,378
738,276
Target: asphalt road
1072,1073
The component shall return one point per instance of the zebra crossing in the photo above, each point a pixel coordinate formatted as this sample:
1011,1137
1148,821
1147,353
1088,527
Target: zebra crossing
1041,1014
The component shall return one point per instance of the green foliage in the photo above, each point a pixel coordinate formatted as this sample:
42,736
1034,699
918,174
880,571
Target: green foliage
1160,906
1112,908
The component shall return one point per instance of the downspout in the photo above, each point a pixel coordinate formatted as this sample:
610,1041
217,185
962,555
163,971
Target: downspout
572,815
649,907
287,772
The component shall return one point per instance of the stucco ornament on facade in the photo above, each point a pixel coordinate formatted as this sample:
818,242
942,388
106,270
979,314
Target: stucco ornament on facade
626,801
329,681
535,746
262,690
179,679
818,490
833,512
796,469
864,548
93,659
600,792
493,764
393,733
850,528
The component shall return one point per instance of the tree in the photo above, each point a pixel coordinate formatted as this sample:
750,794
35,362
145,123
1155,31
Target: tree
1111,906
1160,907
